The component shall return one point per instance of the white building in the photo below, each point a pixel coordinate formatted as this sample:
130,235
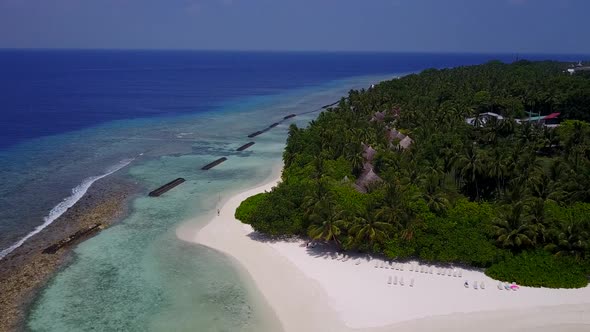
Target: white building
483,118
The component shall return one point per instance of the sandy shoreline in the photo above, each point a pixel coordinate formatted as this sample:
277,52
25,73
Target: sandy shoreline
314,289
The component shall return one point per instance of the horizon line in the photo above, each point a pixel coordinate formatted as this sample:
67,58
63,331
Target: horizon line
287,51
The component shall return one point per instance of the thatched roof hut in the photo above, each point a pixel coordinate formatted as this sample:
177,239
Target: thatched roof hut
394,134
366,179
378,116
368,153
405,143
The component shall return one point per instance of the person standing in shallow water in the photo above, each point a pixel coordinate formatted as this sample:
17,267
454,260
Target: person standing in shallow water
217,211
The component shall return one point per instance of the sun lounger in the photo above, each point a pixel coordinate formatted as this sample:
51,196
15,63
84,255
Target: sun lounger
376,264
402,267
500,287
431,270
475,285
401,281
438,271
482,285
395,280
460,274
466,284
389,280
449,272
507,287
412,282
358,262
411,268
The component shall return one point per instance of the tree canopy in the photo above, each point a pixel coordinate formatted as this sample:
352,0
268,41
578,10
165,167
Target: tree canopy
496,194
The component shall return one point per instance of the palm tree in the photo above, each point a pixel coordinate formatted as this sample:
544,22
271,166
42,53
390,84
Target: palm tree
355,157
507,127
318,163
398,212
536,219
435,199
318,201
470,166
491,130
529,165
368,230
570,238
328,228
449,158
366,135
497,168
511,229
549,138
408,222
580,189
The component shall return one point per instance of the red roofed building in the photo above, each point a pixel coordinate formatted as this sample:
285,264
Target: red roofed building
551,120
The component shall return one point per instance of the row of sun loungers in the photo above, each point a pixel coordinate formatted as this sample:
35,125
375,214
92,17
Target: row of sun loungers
475,285
418,269
389,265
450,272
430,270
401,281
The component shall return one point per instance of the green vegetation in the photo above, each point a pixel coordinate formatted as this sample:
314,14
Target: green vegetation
512,198
540,269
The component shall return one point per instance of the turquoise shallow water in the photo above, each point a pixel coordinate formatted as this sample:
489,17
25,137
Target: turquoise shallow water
136,275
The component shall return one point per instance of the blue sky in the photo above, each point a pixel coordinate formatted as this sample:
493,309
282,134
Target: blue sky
515,26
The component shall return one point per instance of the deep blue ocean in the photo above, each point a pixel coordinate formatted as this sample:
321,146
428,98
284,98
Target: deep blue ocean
51,92
71,117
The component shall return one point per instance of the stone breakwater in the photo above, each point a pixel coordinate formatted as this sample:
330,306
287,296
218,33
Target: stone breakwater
24,271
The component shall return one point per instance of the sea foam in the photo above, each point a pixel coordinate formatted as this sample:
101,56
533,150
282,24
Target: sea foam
77,193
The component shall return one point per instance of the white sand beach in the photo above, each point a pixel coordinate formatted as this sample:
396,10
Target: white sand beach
316,289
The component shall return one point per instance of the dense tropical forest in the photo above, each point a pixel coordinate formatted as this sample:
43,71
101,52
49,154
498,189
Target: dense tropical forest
510,197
